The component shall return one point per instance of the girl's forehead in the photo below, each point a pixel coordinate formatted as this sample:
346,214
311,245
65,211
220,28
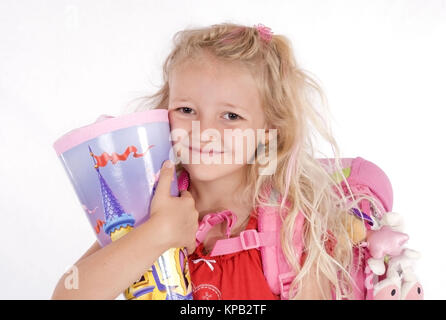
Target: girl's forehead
205,61
216,70
225,82
216,82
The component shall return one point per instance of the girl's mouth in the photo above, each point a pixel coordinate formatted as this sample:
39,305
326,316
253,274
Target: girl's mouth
211,152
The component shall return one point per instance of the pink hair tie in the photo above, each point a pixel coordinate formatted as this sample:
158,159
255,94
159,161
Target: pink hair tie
265,33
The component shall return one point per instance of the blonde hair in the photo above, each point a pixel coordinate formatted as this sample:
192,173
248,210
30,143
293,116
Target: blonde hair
287,94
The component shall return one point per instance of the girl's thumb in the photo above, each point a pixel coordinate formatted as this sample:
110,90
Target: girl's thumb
168,164
165,178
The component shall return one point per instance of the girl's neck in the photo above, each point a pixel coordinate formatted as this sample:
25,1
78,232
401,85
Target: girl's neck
220,194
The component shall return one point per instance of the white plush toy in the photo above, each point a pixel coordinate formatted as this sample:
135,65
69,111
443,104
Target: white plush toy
385,246
400,282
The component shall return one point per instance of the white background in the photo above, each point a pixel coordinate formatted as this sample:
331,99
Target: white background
63,63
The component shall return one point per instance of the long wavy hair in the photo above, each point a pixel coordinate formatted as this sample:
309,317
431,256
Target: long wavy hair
295,105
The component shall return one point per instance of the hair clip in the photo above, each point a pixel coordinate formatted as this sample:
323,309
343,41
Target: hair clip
265,33
362,215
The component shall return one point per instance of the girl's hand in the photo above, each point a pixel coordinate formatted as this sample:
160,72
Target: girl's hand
176,216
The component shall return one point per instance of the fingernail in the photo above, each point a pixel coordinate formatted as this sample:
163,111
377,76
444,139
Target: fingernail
168,164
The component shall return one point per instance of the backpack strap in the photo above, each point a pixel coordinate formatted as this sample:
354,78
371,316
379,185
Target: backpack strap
276,268
248,239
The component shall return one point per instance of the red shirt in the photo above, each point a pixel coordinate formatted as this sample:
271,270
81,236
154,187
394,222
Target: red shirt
234,276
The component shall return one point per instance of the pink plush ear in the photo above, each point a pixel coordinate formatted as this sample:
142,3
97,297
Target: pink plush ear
412,291
388,292
385,241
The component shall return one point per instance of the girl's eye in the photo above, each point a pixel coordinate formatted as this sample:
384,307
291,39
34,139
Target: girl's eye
184,108
233,116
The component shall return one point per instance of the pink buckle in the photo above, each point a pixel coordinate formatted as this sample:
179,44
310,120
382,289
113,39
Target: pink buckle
212,219
247,241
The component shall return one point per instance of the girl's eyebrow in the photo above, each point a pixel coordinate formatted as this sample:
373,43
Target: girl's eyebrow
227,104
182,100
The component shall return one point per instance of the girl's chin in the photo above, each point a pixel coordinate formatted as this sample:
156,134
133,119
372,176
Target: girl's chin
205,172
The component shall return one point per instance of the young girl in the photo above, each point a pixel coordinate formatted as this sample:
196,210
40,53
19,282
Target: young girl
222,77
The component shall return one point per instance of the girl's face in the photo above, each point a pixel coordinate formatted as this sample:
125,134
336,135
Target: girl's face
209,98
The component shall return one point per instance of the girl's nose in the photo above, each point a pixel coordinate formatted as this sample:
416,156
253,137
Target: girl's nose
208,132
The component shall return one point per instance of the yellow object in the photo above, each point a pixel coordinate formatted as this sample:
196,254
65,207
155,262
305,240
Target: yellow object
115,235
185,286
354,225
142,283
338,177
175,278
355,228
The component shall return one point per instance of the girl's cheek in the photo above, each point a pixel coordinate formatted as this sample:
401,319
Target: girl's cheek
242,149
171,116
179,124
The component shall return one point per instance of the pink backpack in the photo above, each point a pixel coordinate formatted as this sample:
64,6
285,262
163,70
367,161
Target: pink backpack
383,267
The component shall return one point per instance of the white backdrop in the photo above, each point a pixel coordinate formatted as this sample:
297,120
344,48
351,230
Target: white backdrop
63,63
